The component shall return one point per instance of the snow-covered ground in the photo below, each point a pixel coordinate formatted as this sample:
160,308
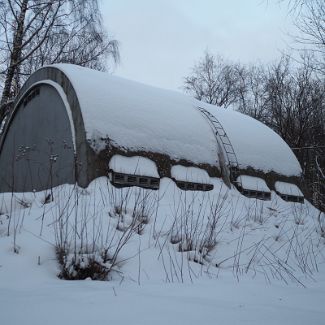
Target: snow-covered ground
187,257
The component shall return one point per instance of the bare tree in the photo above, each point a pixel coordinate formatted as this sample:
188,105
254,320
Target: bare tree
252,97
310,22
288,98
213,80
38,32
291,100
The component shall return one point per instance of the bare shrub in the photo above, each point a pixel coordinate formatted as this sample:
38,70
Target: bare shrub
198,220
299,214
256,213
91,230
278,257
321,224
82,266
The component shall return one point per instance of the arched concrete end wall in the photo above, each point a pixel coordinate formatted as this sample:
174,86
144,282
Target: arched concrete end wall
37,152
44,143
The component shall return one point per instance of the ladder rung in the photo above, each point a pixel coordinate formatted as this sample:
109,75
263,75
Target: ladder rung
223,137
227,144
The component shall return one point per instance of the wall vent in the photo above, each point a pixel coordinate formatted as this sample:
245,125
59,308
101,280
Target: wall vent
253,187
126,180
291,198
255,194
189,186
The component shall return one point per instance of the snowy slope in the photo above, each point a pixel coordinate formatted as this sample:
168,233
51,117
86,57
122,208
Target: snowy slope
252,272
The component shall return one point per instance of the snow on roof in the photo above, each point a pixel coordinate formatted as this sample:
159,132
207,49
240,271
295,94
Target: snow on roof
140,117
190,174
255,144
135,165
288,189
253,183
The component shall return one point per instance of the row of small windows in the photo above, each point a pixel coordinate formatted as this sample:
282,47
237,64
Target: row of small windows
267,196
188,186
123,180
291,198
120,179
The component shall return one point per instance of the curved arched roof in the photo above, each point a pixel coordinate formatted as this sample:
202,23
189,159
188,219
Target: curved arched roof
255,144
141,117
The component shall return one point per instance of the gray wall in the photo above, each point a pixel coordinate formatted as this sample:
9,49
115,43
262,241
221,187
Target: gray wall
37,152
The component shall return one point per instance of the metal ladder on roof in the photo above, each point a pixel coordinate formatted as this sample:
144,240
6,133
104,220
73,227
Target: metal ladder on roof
222,137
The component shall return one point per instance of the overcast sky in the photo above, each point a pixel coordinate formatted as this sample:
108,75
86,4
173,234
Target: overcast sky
160,40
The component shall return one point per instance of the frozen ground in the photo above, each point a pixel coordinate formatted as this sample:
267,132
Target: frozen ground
214,301
248,261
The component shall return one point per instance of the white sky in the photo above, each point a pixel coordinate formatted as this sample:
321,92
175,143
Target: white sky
160,40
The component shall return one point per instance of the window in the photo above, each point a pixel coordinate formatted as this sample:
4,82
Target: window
124,180
291,198
255,194
189,186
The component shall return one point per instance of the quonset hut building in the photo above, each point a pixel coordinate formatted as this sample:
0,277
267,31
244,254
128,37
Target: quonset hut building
72,124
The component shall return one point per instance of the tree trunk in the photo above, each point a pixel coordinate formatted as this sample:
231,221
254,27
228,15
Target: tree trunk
16,53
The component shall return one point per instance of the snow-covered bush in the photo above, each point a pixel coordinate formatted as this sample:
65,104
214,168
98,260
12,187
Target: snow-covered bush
82,266
197,223
92,227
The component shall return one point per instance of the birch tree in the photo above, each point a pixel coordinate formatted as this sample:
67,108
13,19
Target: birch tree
38,32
